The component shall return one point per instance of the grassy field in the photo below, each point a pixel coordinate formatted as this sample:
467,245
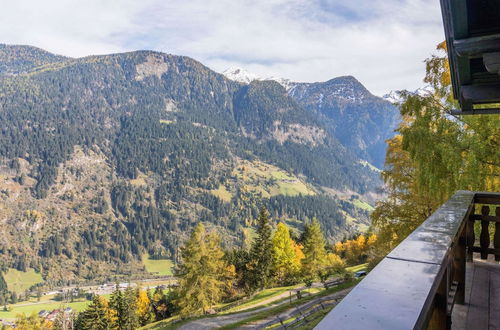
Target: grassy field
314,319
222,193
162,267
35,308
18,281
46,303
294,188
261,296
362,205
167,122
268,180
357,268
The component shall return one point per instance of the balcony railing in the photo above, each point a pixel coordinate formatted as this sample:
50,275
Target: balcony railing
417,285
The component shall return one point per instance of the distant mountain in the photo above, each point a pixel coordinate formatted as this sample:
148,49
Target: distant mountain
358,119
106,158
361,121
21,59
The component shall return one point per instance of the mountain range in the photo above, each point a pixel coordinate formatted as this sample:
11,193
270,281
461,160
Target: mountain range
105,159
360,120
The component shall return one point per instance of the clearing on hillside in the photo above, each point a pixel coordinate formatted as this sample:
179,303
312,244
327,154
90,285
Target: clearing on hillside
262,179
162,267
18,281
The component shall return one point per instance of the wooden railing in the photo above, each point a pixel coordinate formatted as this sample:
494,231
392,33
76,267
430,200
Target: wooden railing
485,214
417,284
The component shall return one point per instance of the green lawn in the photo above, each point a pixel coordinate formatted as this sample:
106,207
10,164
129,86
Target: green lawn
162,267
46,303
18,281
48,306
357,268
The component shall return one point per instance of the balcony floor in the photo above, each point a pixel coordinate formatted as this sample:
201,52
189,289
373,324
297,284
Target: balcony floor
482,297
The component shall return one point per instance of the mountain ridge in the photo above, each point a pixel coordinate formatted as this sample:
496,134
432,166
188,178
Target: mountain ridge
346,107
107,157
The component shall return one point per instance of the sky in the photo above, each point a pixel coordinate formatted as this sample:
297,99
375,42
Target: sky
383,43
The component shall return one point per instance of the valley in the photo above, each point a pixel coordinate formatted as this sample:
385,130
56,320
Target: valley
106,159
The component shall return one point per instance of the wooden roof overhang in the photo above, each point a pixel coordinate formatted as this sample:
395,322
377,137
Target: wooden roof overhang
472,29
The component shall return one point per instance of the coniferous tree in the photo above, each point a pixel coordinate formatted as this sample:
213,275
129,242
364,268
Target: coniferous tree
201,273
315,254
97,316
3,285
124,304
259,268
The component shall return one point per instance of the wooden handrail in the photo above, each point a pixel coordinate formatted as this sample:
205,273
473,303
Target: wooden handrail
417,284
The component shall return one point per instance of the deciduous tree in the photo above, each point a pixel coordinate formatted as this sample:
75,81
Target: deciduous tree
201,273
434,155
286,265
144,308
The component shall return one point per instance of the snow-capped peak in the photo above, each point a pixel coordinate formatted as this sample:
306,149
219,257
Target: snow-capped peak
243,76
394,96
240,75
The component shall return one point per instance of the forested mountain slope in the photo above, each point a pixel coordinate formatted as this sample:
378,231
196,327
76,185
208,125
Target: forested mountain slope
105,158
21,59
361,121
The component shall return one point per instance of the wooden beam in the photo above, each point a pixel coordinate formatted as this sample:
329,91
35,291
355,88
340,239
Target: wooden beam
487,198
481,94
494,111
476,46
447,14
492,62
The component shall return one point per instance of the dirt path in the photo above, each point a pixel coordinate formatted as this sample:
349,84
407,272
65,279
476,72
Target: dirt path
288,313
285,294
220,321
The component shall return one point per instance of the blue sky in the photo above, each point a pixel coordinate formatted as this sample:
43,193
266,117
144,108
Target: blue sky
381,42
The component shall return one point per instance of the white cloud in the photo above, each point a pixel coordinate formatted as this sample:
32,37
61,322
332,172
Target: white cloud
381,42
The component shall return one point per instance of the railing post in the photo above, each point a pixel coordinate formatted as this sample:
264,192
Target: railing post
496,238
459,266
471,236
484,239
